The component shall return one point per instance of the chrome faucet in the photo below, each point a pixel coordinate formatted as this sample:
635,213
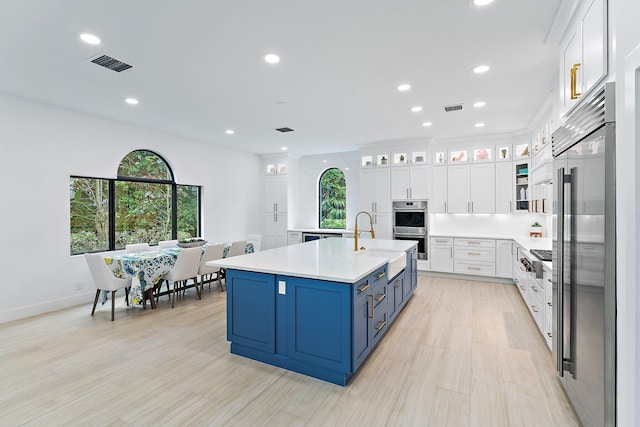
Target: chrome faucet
356,233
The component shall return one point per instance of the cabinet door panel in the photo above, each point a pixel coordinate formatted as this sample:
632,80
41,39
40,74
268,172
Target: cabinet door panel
319,325
504,187
571,54
418,182
504,262
442,258
594,47
458,189
382,189
483,188
367,183
437,203
400,183
251,306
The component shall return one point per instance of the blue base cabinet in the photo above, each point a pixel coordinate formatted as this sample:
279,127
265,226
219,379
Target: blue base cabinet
318,328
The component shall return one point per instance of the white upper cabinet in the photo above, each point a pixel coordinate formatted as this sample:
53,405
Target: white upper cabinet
504,187
583,54
458,191
482,183
409,182
438,200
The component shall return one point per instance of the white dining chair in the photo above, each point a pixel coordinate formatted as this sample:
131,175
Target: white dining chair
185,268
137,247
237,248
255,239
212,252
167,244
104,280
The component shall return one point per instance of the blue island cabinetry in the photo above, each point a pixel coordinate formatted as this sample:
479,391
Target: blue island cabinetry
315,327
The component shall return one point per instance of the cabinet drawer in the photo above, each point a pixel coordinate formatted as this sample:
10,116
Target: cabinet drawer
487,243
522,288
476,268
379,277
379,323
441,241
380,297
475,254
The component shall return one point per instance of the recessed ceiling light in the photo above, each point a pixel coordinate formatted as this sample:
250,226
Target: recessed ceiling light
479,104
479,125
89,38
229,131
284,148
481,69
346,169
416,109
404,87
481,2
427,124
324,161
271,58
131,101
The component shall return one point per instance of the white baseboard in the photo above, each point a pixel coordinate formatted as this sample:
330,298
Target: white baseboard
47,307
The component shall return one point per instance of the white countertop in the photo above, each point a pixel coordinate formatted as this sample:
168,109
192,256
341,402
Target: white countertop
325,259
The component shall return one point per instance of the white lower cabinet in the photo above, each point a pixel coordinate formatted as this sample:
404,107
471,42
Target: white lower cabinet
504,254
442,254
294,237
475,256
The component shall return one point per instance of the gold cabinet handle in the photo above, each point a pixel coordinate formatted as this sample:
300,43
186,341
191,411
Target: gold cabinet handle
534,289
381,297
372,307
549,334
473,268
549,304
381,275
574,78
533,307
380,326
364,287
474,253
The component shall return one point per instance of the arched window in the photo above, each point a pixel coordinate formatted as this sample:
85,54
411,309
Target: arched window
144,204
333,199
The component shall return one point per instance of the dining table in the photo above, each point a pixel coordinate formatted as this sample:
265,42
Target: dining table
147,269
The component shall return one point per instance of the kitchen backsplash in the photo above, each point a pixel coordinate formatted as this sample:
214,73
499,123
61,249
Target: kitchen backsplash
489,225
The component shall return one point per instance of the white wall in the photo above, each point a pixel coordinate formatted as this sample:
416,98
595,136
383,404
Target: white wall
305,184
623,20
496,225
42,145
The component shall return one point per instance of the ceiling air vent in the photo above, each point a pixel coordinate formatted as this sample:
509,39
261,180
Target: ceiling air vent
111,63
284,130
450,108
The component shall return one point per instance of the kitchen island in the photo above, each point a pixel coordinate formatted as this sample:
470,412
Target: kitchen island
317,308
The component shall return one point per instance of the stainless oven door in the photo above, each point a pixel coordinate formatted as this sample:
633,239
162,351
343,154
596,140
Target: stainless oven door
412,222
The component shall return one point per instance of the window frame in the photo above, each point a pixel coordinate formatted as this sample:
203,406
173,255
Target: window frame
320,227
112,200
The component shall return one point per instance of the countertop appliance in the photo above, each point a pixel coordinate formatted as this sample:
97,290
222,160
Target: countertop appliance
411,222
584,258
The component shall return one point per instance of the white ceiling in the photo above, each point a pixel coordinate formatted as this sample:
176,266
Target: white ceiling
198,67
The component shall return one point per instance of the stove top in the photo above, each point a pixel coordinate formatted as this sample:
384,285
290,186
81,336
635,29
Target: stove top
541,254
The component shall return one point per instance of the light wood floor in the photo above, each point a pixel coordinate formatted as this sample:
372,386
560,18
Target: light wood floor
461,353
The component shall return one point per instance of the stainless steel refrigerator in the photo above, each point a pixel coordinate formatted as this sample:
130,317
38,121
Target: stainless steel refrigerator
584,258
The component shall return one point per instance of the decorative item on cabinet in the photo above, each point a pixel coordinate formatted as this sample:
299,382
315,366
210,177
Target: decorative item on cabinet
440,159
383,160
522,151
458,156
503,153
536,229
482,154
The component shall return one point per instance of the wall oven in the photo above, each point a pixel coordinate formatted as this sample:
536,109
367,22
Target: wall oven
411,222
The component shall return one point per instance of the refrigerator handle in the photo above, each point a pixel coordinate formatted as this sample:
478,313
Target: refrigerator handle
560,273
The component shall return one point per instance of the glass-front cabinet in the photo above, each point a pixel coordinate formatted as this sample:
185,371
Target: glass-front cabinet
374,160
522,185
